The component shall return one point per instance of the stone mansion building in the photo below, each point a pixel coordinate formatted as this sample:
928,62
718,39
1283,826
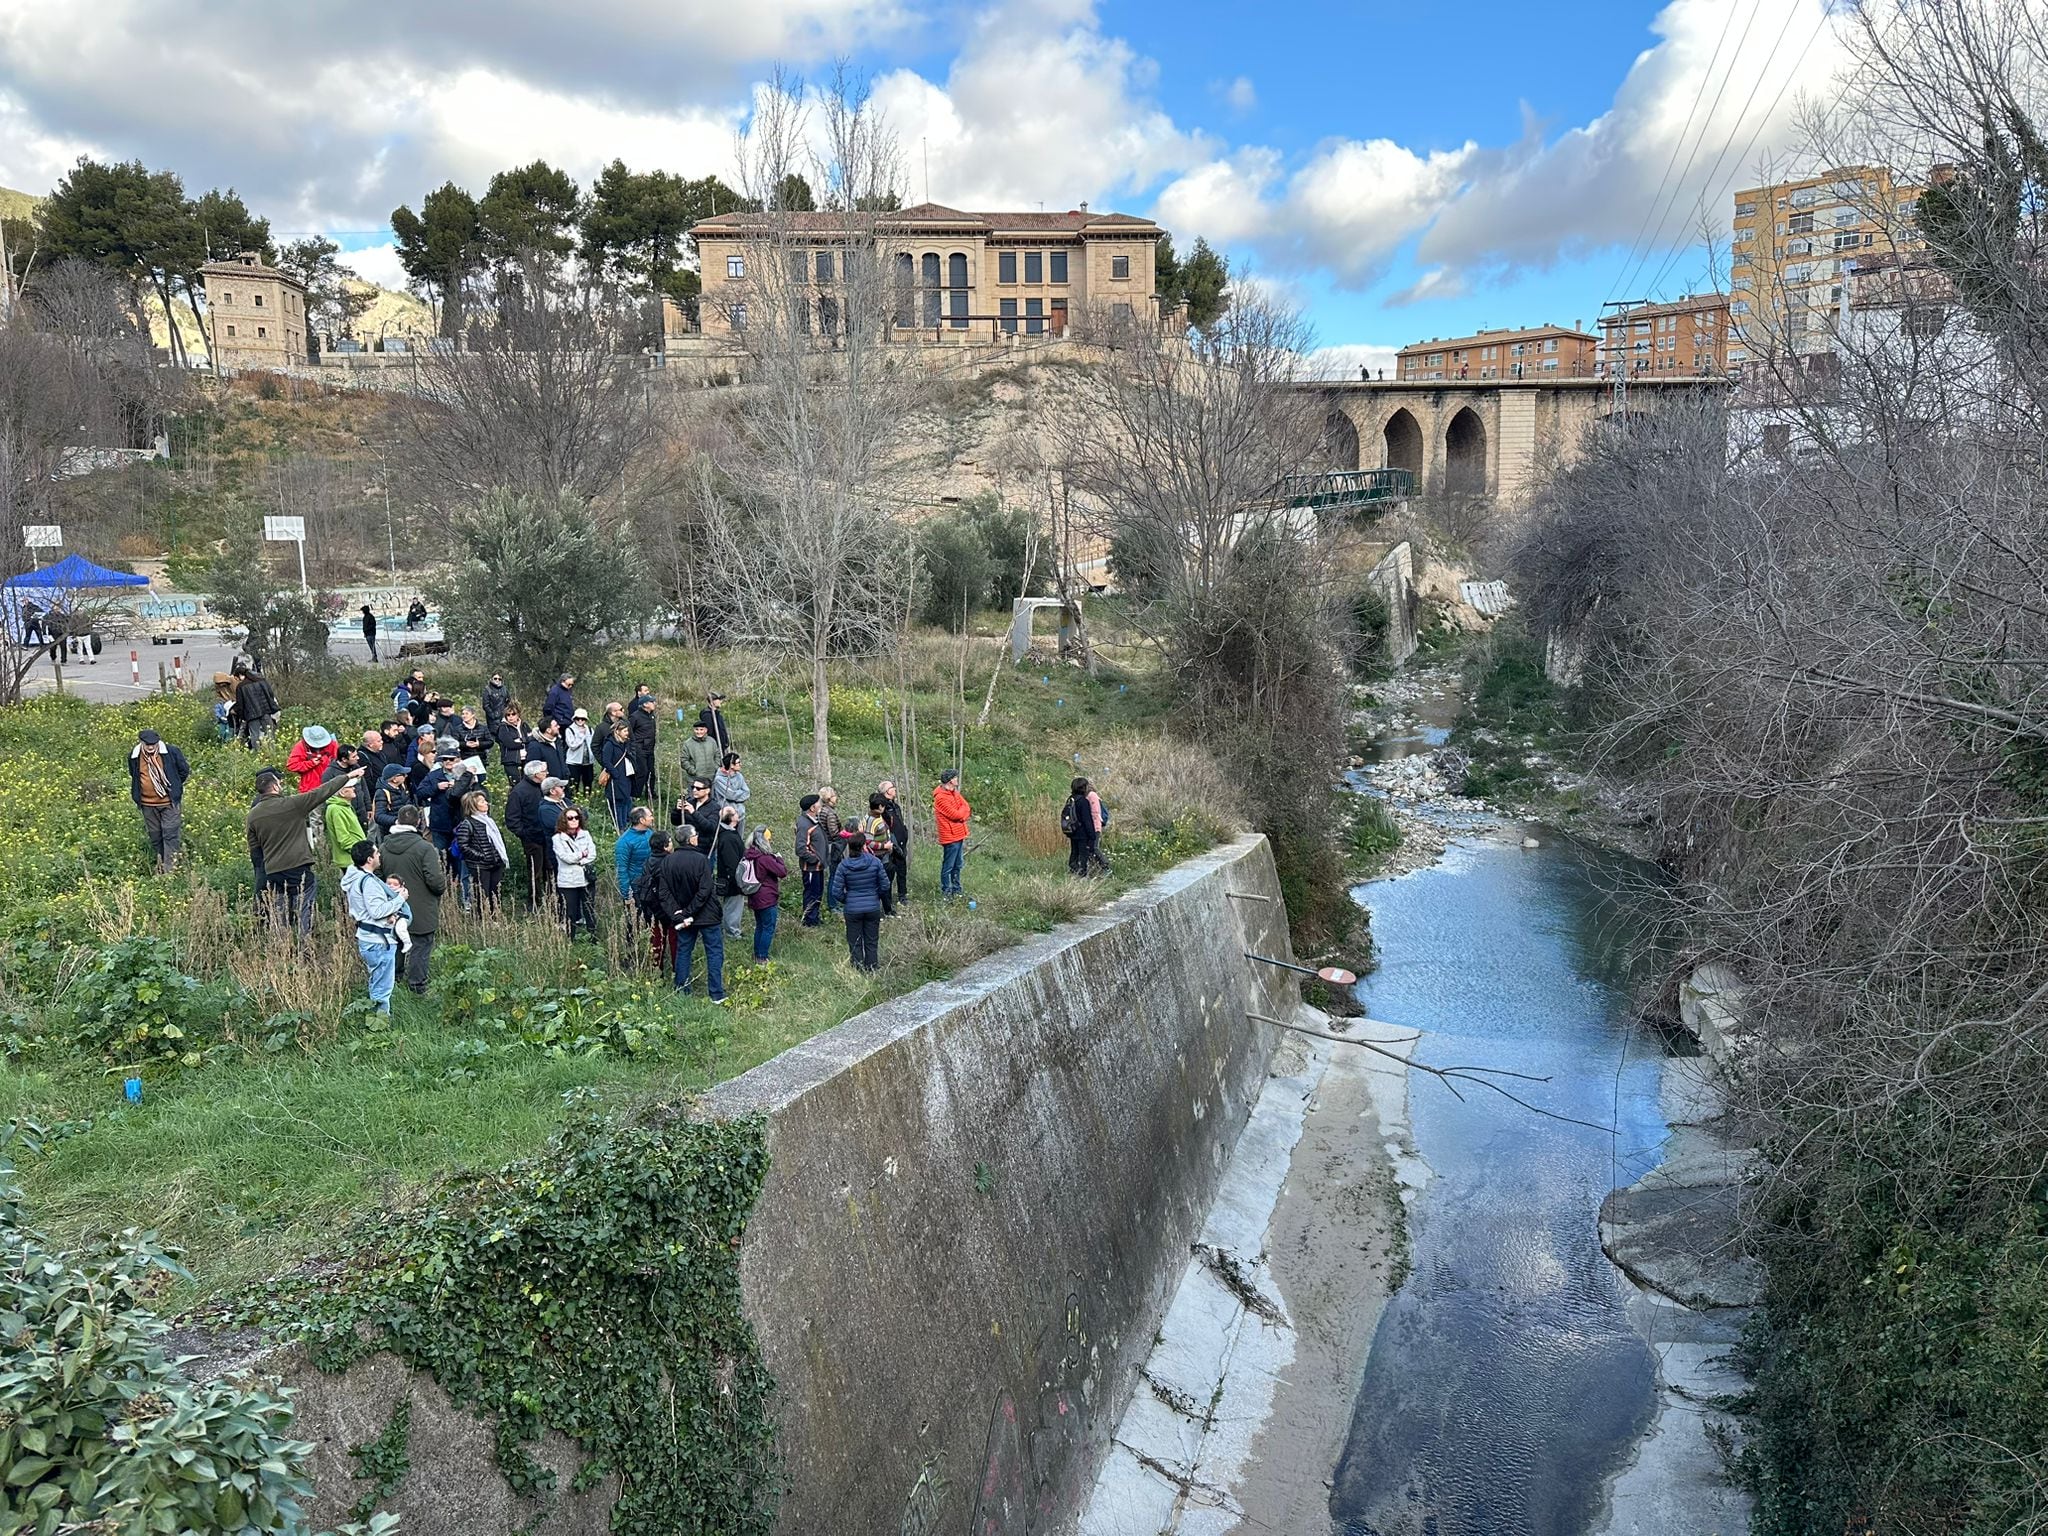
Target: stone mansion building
957,275
256,314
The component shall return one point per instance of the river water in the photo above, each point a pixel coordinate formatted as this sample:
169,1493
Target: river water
1505,1382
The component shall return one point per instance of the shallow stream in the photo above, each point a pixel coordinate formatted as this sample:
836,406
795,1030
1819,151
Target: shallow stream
1505,1383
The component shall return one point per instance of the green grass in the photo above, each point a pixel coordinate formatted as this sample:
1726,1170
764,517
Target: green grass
262,1153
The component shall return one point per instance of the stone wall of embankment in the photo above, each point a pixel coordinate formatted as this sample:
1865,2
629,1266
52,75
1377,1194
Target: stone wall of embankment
978,1200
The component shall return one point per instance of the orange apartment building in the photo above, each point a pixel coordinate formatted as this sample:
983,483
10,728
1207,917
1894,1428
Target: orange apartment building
1792,247
1686,338
1539,352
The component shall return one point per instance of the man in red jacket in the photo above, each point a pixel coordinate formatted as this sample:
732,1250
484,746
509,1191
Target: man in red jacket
950,811
311,756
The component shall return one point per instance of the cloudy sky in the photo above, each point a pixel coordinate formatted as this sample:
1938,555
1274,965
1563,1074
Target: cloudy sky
1402,170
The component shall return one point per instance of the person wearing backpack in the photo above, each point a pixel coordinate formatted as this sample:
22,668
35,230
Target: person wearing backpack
728,852
761,874
1082,819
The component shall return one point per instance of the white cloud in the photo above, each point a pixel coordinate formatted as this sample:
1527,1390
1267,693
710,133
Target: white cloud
1532,203
1240,95
1436,283
1040,106
32,160
376,263
1347,209
400,103
1475,211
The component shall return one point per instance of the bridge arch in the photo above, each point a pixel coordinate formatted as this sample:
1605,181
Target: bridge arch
1340,441
1402,440
1465,454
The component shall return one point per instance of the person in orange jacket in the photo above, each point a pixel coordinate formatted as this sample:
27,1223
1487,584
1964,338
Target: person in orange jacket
950,812
311,756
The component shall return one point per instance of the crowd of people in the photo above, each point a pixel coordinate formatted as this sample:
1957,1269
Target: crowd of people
405,814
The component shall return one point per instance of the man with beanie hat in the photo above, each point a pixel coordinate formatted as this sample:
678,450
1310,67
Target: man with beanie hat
157,772
813,854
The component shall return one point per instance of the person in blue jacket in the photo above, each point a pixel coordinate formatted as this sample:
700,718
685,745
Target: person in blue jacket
857,888
560,705
630,853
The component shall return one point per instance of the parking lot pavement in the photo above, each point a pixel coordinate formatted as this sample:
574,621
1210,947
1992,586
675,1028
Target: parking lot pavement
112,680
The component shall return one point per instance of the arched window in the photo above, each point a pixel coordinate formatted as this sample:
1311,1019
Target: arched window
933,291
906,289
956,283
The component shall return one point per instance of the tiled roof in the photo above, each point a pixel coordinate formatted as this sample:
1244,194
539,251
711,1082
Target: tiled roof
936,213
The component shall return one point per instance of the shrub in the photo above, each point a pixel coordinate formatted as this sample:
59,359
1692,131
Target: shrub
136,1004
1056,899
99,1428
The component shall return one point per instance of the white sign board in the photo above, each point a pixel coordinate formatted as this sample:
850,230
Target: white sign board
42,536
284,529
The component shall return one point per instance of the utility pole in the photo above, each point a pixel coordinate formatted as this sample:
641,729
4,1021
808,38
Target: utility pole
1622,308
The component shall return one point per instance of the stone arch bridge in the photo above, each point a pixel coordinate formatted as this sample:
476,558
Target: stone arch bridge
1471,438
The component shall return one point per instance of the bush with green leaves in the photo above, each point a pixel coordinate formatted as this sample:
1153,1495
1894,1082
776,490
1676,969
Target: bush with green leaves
612,1255
973,557
99,1428
135,1004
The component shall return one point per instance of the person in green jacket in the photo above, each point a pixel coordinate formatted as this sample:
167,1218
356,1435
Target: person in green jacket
344,829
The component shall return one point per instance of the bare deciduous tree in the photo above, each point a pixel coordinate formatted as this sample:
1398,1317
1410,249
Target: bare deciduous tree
550,398
800,532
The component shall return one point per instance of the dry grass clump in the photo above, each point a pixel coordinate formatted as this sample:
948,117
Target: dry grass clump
934,941
1057,899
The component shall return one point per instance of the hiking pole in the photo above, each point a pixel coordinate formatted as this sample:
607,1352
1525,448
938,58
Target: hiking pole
1330,973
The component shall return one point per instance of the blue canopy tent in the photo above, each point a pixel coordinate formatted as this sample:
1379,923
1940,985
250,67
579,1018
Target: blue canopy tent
56,589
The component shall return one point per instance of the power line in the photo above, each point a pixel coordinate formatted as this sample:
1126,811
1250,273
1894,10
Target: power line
1697,96
1755,134
1733,58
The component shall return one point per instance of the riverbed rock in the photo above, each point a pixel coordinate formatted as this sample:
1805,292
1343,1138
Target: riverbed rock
1710,1007
1676,1231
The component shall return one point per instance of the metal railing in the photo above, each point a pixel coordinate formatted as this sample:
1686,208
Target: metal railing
1344,488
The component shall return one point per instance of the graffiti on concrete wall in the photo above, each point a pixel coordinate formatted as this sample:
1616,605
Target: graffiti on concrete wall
1035,1464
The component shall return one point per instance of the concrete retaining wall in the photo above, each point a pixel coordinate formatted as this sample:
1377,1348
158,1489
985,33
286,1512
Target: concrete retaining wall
979,1198
980,1195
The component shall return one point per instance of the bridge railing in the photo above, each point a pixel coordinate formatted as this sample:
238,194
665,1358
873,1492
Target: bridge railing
1339,489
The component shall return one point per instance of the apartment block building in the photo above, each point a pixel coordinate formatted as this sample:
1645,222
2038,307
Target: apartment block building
1538,352
955,274
256,315
1793,245
1686,338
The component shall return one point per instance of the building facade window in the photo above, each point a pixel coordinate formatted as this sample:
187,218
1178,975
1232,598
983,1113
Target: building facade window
956,280
1034,317
262,330
231,330
1120,266
933,296
227,298
1007,308
1034,266
1006,267
1058,261
824,266
736,266
737,315
259,301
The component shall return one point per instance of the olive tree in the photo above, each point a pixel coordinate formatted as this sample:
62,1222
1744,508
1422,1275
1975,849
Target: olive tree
539,583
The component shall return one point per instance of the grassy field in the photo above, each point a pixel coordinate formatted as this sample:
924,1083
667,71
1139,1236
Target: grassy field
274,1107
